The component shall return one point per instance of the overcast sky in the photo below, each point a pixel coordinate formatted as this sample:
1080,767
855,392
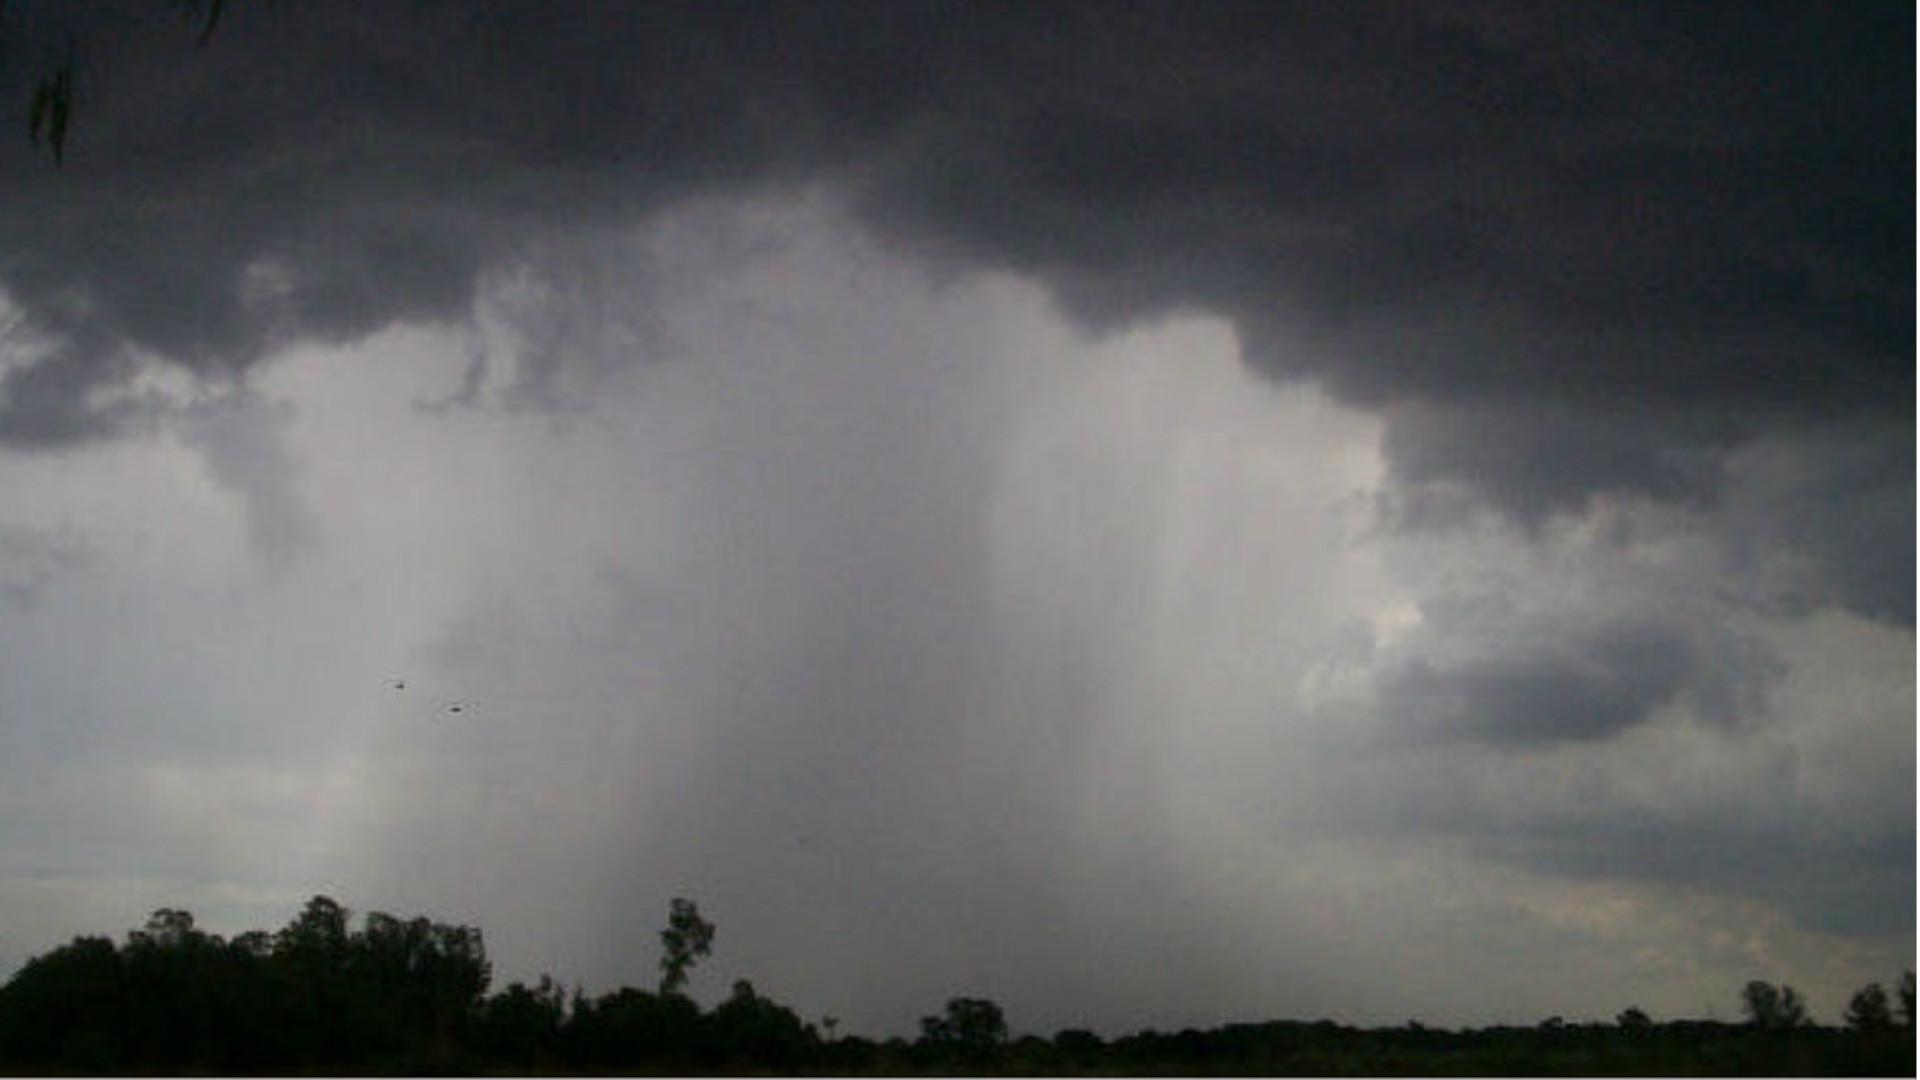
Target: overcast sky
1155,515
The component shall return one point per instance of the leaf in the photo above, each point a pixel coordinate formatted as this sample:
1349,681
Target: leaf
52,103
214,8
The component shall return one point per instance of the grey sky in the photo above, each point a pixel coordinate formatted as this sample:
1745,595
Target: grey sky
1152,520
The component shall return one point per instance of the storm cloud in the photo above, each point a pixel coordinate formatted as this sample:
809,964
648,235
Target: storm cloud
1589,687
1633,237
1020,499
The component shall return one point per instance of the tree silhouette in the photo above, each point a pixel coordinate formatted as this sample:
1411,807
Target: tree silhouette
971,1028
748,1028
520,1026
166,928
409,995
1870,1010
1906,998
686,938
1773,1008
319,930
69,1005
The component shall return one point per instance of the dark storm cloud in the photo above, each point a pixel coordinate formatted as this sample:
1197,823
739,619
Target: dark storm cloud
1842,499
1548,684
1829,880
1542,459
1627,205
1858,530
1572,249
1541,699
1770,843
325,172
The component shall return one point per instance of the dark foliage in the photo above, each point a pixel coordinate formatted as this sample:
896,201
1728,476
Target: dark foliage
315,995
1773,1007
1869,1010
410,995
971,1029
51,105
687,938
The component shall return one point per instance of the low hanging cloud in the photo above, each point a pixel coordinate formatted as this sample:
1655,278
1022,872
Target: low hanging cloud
239,438
1547,685
1567,252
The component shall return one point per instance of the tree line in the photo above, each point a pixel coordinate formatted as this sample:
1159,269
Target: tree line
397,995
